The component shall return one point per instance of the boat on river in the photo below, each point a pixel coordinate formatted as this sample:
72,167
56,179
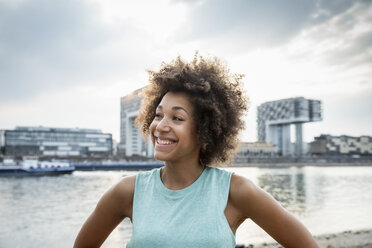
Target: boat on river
34,167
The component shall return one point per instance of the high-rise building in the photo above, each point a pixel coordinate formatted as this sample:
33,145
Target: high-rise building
131,140
274,119
48,141
2,140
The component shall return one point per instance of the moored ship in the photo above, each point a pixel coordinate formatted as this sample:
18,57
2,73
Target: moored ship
34,167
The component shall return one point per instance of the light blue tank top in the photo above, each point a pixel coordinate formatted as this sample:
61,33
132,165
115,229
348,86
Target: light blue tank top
192,217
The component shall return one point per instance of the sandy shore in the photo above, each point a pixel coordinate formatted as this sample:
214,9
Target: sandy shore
347,239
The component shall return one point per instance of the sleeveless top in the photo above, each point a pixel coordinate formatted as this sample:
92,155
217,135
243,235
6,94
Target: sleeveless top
190,217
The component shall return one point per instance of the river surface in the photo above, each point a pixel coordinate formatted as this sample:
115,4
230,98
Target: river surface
49,211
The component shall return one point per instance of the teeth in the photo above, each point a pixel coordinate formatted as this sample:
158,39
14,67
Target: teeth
165,142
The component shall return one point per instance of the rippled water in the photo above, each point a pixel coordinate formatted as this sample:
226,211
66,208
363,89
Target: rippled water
49,211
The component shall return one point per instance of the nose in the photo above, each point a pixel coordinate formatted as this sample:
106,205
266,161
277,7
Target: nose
163,125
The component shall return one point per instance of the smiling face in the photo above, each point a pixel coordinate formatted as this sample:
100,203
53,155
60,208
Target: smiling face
173,130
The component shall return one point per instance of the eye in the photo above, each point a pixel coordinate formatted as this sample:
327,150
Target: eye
177,118
158,116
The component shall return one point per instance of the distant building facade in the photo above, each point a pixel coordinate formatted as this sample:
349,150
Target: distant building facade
2,142
48,141
274,119
256,149
131,141
2,138
341,145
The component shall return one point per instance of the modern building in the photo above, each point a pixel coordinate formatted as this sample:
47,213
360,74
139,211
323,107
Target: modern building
256,149
2,138
341,145
2,142
48,141
131,140
275,118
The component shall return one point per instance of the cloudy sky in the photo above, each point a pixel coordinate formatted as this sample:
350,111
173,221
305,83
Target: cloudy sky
66,63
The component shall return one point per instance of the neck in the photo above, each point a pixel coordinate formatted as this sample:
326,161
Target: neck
177,176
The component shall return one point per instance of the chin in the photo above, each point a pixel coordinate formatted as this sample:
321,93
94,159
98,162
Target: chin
164,157
160,157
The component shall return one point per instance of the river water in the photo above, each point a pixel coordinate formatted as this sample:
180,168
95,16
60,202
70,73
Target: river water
49,211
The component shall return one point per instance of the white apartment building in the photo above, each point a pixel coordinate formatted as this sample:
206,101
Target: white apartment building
131,140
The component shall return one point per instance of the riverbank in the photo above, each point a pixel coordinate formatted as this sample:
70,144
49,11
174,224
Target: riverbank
287,161
347,239
286,165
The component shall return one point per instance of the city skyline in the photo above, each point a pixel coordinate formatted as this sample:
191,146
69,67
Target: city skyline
66,64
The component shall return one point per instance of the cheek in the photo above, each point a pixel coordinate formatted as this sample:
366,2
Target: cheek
194,135
152,130
196,140
152,126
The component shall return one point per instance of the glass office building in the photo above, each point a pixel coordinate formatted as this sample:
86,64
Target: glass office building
48,141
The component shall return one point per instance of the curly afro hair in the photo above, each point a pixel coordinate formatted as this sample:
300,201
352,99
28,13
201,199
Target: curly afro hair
216,95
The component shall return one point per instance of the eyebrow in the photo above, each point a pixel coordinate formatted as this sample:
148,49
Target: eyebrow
174,108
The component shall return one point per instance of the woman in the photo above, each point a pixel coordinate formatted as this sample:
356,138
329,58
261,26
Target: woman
193,113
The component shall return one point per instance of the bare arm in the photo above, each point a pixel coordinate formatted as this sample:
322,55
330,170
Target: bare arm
112,208
252,202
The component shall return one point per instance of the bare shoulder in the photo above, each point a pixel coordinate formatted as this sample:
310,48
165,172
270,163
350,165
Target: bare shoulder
247,196
125,187
241,187
123,192
119,198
